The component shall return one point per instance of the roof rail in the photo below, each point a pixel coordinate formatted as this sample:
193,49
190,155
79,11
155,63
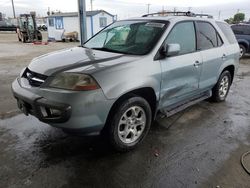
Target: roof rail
179,13
204,15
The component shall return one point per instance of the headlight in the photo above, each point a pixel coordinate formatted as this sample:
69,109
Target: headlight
74,81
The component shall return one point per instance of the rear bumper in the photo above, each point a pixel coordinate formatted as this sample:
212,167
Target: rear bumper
85,112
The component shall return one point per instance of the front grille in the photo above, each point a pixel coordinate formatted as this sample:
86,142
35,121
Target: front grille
35,79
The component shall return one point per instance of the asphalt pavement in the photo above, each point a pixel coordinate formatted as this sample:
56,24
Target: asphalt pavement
199,147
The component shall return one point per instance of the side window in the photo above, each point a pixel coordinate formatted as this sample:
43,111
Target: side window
103,21
227,31
51,22
237,30
183,34
206,36
247,30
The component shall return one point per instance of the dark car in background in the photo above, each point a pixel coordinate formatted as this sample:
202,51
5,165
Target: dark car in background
6,26
242,33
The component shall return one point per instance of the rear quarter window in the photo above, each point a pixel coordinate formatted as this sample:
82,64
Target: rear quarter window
227,31
207,36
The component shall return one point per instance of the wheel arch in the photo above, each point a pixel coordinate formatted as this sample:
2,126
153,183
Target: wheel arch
231,69
147,93
244,43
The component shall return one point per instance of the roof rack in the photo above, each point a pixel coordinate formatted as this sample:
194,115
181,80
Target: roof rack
204,15
190,14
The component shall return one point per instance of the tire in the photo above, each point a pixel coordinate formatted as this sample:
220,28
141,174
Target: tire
125,130
242,51
23,39
221,89
39,38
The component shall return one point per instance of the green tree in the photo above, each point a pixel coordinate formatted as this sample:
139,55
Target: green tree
239,17
229,20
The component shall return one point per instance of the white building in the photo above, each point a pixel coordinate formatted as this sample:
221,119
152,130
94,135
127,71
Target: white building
59,23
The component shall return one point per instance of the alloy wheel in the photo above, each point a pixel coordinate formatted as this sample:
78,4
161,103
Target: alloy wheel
132,124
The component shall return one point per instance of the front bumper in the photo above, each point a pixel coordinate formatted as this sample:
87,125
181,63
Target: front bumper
84,111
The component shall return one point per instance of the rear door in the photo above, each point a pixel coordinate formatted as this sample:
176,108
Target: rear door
180,73
210,44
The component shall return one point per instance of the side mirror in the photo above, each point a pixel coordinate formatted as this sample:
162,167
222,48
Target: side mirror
171,49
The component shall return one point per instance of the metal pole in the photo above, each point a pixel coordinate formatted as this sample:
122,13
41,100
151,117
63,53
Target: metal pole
91,5
148,7
14,14
82,20
219,15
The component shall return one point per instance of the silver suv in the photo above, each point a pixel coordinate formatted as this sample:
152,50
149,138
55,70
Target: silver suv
128,73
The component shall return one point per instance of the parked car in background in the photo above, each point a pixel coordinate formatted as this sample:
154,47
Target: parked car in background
242,33
6,26
122,77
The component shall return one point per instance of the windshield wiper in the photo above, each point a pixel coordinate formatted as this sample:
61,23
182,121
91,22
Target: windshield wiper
108,50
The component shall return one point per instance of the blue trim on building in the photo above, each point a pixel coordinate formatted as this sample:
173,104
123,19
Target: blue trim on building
92,25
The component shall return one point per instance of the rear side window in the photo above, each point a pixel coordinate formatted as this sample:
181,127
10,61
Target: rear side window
241,29
207,36
183,34
227,31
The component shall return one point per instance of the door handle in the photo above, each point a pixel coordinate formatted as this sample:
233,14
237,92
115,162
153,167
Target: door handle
197,63
224,56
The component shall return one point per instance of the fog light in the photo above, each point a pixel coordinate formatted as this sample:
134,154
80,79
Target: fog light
43,111
55,112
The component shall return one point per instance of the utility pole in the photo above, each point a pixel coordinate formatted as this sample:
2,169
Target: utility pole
238,10
13,7
148,5
219,15
91,5
82,20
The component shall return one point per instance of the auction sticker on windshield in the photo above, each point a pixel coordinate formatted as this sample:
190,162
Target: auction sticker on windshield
153,24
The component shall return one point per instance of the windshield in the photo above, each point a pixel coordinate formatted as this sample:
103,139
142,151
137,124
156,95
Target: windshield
27,23
128,37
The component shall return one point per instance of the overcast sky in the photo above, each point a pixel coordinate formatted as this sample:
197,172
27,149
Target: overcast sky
131,8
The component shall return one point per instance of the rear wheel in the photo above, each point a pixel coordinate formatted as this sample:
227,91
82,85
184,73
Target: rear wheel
242,51
24,40
39,36
221,89
130,123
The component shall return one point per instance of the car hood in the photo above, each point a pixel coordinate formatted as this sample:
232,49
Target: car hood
77,58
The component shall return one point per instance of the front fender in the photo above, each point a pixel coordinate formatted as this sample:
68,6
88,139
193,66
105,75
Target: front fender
124,78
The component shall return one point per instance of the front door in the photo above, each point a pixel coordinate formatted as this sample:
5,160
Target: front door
181,73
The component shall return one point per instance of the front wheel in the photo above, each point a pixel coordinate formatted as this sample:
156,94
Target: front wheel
221,89
130,123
